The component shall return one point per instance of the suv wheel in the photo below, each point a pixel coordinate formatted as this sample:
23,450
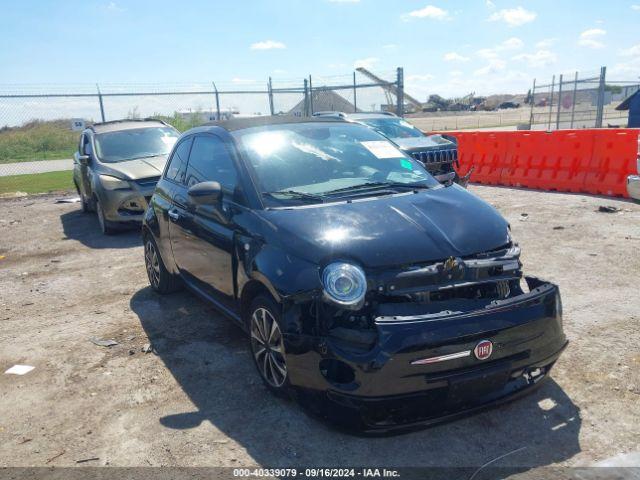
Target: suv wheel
267,344
160,279
105,227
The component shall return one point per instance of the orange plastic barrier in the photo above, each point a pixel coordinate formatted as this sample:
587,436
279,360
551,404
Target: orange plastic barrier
594,161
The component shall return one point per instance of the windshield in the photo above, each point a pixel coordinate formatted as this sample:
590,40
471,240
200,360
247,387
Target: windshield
136,143
392,127
312,162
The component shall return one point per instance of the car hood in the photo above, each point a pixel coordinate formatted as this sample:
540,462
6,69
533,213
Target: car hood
138,169
423,143
389,231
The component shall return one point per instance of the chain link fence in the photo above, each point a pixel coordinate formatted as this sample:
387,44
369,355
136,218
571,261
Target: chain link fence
42,122
580,100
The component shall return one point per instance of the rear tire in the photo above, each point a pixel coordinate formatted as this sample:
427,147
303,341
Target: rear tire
267,344
160,279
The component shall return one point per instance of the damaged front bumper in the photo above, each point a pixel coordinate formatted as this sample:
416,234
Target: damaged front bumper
421,367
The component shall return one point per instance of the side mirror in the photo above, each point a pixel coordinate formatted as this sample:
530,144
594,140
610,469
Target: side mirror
83,159
205,193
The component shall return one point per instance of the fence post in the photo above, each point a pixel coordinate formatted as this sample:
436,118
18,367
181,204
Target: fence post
101,104
573,102
599,114
533,102
559,103
215,89
270,92
400,90
306,98
310,96
553,86
355,95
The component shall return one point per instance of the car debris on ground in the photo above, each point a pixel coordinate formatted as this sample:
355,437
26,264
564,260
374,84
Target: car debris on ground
608,209
103,343
19,370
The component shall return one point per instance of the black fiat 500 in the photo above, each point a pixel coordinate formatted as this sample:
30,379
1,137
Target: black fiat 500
375,294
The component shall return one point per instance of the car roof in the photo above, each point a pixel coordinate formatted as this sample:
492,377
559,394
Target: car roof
117,125
362,116
355,115
250,122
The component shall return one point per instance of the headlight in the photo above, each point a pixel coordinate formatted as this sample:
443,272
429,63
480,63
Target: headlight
113,183
344,284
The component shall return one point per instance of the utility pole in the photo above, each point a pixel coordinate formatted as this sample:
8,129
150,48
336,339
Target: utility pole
215,89
101,104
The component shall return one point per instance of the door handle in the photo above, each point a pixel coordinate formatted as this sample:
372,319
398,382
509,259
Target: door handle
174,215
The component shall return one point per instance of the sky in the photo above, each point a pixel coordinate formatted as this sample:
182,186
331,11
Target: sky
446,47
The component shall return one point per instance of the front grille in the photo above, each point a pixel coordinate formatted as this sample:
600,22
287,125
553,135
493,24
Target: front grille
436,156
148,182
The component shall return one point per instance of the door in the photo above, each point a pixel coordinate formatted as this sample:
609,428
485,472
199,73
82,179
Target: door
202,235
85,181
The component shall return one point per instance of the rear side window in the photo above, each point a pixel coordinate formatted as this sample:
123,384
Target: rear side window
178,161
210,161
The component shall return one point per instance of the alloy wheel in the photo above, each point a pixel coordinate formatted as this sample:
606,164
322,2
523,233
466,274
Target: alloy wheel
268,347
152,263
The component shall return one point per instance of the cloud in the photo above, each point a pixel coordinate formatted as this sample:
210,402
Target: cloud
631,51
455,57
455,73
539,59
512,43
490,5
367,63
390,46
514,17
590,38
545,43
430,11
267,45
344,1
635,7
113,7
420,78
495,65
487,53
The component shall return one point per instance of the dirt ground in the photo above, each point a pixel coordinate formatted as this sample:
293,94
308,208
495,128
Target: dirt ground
197,401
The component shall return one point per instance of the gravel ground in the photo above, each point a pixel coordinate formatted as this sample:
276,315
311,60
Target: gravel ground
196,400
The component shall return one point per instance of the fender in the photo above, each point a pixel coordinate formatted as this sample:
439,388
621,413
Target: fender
284,275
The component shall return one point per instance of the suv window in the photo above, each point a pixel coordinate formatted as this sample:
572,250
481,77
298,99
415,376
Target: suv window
178,161
210,161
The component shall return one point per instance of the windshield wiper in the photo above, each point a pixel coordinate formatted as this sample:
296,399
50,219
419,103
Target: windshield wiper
295,194
367,185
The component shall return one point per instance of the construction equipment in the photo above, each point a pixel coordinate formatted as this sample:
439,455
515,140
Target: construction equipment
390,89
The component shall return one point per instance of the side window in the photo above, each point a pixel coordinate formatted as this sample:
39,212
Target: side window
210,161
178,161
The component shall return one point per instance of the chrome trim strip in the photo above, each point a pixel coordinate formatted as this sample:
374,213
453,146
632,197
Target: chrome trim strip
442,358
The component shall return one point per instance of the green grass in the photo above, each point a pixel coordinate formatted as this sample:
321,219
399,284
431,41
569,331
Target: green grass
54,140
37,183
38,140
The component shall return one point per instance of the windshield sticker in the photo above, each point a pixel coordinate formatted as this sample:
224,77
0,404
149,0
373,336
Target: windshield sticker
382,149
404,163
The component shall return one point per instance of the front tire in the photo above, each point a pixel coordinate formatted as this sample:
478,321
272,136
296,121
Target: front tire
160,279
105,228
267,344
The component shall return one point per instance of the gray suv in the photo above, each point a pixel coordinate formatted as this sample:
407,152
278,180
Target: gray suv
117,166
436,152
